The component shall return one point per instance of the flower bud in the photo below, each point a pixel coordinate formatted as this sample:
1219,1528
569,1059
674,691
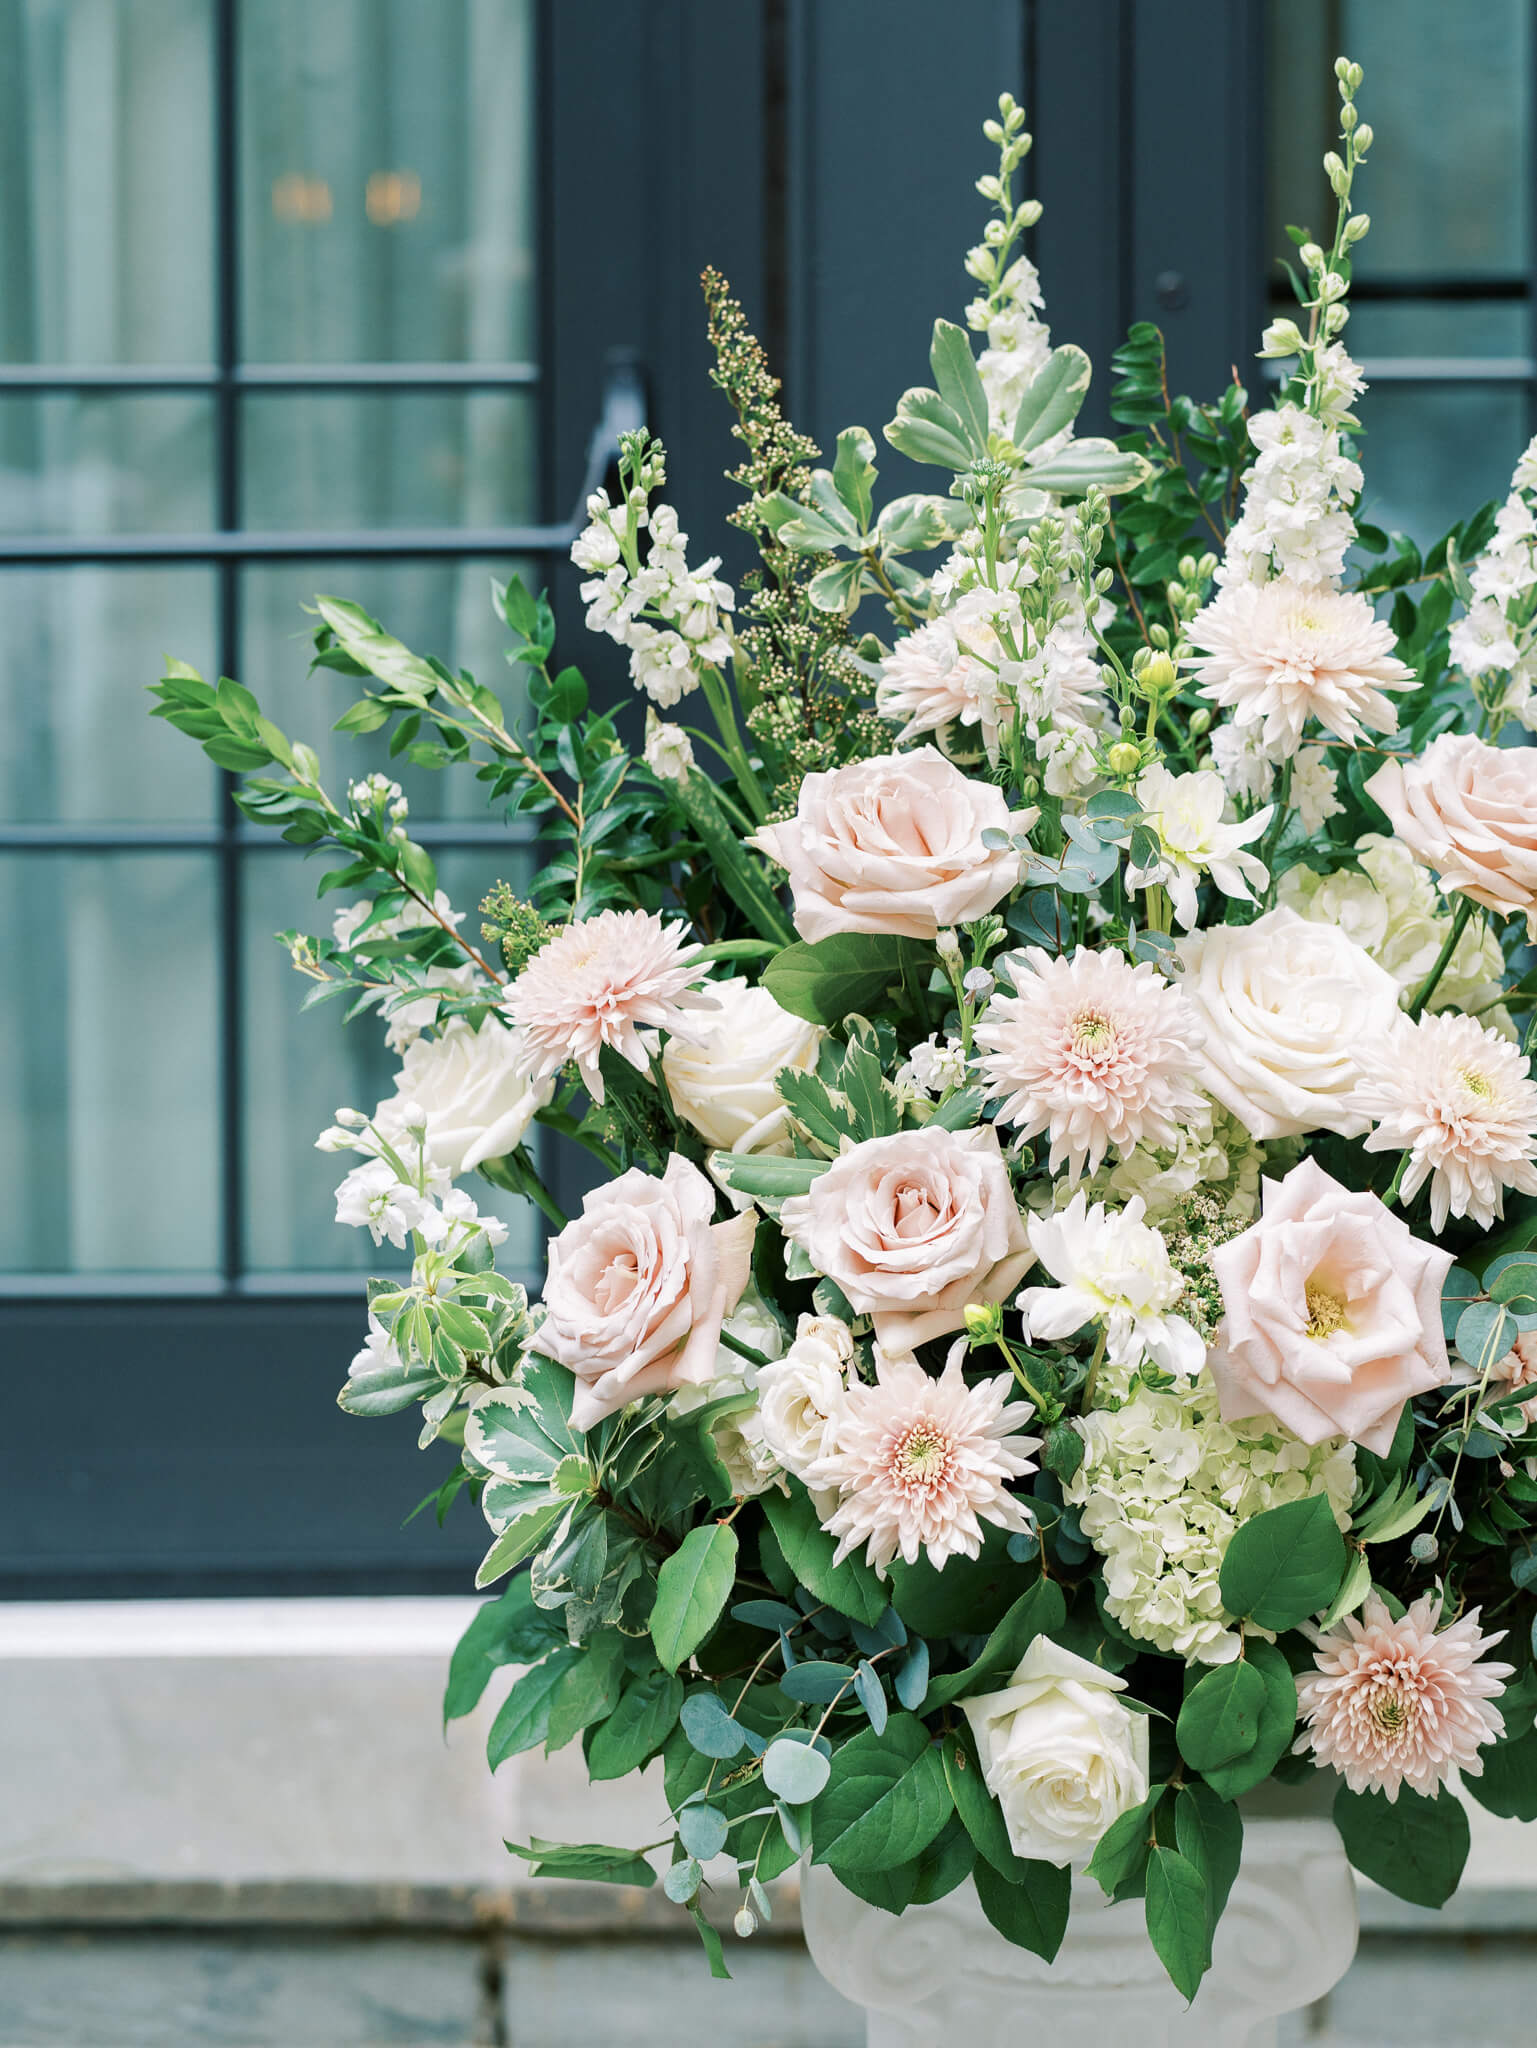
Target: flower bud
1124,758
1312,256
1363,138
1335,172
1357,226
1281,338
745,1923
351,1119
1424,1548
984,1321
948,946
1200,722
1332,286
1158,675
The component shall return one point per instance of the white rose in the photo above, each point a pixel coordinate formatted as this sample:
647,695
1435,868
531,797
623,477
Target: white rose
802,1396
1060,1753
1286,1006
894,845
475,1088
723,1083
737,1431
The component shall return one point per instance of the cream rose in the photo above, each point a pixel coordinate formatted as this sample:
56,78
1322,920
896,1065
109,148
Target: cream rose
894,845
914,1229
1286,1006
476,1089
1469,811
638,1287
1333,1314
1062,1755
723,1083
802,1396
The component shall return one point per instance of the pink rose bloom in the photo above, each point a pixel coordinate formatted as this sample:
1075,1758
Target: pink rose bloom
638,1287
1333,1314
1469,811
894,845
914,1228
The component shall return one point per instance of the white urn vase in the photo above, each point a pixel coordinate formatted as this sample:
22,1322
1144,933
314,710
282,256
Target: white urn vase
940,1976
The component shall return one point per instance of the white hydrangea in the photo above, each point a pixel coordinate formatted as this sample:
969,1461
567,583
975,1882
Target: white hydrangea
1214,1155
1394,912
1163,1485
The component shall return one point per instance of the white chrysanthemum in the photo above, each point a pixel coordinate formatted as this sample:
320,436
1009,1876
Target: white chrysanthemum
597,982
1091,1049
1393,912
1113,1270
1459,1099
1278,654
927,682
1163,1485
1314,787
1185,811
922,1463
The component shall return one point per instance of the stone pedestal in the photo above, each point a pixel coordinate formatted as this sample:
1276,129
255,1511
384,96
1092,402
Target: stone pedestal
940,1976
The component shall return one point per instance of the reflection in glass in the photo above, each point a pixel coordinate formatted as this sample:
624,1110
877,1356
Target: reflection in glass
323,461
1434,453
314,1062
77,648
387,180
108,1091
106,202
439,608
88,463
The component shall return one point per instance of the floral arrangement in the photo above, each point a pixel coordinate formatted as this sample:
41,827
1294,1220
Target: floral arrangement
1053,1344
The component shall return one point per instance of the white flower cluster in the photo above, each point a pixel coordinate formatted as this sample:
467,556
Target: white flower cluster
357,924
394,1199
1213,1154
1163,1485
667,614
1018,343
1498,634
1296,518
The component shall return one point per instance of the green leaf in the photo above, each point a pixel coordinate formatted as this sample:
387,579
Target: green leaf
1277,1724
1053,397
1179,1920
520,1539
851,1587
827,980
1284,1565
1209,1833
836,589
854,473
367,715
1415,1847
1221,1715
715,1953
591,1860
567,699
1040,1611
885,1800
960,385
377,651
793,1770
1508,1785
1122,1849
740,872
1032,1913
589,1691
1089,464
509,1630
765,1175
523,1720
918,521
1485,1332
646,1715
928,430
979,1810
692,1589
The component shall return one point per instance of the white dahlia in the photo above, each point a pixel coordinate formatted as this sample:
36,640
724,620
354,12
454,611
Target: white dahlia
1460,1100
922,1463
1278,654
1093,1050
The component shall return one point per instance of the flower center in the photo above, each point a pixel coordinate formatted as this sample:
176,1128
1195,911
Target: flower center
1394,1713
1478,1084
1326,1310
1092,1033
921,1457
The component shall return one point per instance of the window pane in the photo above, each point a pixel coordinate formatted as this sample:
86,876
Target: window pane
95,464
441,608
108,1092
77,648
387,180
105,203
1447,93
1433,454
327,461
314,1062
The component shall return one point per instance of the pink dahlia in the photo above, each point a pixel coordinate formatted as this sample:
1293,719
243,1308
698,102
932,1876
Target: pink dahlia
1459,1099
1401,1702
597,982
1092,1049
1280,653
921,1463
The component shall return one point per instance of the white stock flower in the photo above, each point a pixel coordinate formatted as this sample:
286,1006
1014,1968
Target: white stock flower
669,751
933,1068
722,1079
1313,790
374,1195
1113,1270
1295,520
1240,759
479,1091
1062,1755
1185,811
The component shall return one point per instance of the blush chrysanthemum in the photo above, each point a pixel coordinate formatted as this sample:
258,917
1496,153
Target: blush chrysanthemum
1459,1099
597,982
1277,654
1400,1702
1094,1051
920,1464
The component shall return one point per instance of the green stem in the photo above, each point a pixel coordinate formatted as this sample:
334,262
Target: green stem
1404,1159
1093,1373
717,695
1428,986
743,1350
